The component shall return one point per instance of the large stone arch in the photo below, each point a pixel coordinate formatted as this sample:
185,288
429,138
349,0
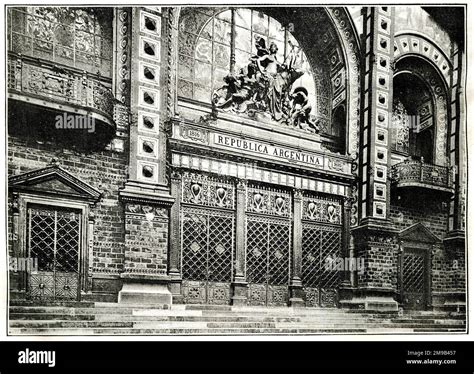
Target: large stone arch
350,47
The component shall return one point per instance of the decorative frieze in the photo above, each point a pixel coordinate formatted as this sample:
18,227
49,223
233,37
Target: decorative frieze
322,210
264,200
203,190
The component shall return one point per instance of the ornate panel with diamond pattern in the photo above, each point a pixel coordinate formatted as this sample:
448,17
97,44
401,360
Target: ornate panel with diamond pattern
268,244
414,277
54,239
207,255
320,242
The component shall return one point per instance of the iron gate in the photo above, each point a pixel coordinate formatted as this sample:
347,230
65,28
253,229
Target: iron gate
268,260
321,245
53,238
414,279
207,255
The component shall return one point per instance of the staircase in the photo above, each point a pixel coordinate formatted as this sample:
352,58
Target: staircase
121,319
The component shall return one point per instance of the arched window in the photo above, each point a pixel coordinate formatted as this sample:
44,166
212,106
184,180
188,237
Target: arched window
412,120
78,37
206,55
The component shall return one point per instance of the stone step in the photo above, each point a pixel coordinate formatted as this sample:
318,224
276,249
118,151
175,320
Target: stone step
177,331
51,316
68,324
36,303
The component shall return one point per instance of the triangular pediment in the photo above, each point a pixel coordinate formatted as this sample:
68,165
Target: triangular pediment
418,233
53,180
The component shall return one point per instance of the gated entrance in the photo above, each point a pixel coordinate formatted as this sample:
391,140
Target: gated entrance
53,238
268,243
268,256
207,255
414,278
321,248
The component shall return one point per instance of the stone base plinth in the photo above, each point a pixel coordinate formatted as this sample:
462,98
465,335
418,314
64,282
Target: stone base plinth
145,289
377,303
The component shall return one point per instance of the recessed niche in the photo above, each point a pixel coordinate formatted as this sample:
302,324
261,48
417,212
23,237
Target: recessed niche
149,73
382,136
380,173
148,98
384,9
148,122
383,63
382,81
150,24
148,147
380,191
383,43
383,24
149,48
148,171
380,154
379,210
382,99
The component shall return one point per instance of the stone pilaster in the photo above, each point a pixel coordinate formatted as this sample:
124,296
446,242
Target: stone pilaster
239,284
296,286
175,239
374,238
346,288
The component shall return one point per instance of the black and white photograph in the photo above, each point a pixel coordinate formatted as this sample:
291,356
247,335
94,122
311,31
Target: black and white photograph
235,170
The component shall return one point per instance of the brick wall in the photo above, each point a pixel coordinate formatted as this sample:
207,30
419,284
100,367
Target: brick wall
105,171
146,241
380,264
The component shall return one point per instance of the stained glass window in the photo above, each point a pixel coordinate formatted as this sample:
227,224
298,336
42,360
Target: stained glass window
205,49
78,37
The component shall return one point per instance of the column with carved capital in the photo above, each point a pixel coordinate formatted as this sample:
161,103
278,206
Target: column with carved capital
296,287
175,239
239,285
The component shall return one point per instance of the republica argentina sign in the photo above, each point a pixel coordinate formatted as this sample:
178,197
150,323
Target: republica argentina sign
268,149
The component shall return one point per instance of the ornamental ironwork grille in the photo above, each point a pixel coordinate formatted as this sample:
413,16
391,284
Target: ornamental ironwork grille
321,250
268,246
78,37
207,238
53,239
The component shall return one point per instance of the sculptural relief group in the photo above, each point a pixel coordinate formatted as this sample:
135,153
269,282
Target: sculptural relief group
265,87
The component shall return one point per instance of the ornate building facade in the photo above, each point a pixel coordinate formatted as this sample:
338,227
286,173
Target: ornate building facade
229,155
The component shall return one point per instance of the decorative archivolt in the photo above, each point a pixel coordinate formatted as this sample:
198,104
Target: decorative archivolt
414,44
